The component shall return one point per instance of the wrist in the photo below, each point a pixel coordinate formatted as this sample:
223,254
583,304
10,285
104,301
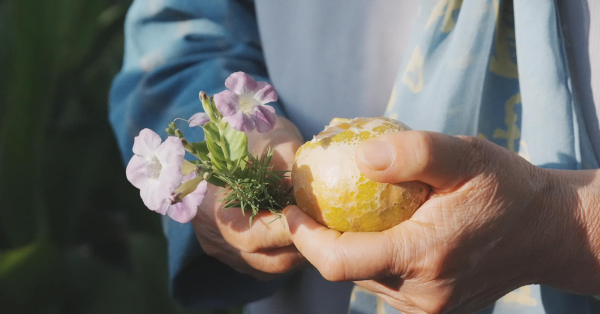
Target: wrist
587,184
571,238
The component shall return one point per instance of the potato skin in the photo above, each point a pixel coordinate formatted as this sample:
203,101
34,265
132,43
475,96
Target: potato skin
330,188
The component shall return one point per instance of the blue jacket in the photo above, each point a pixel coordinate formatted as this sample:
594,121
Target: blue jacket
173,50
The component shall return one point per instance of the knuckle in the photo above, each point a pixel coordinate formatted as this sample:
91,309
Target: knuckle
209,249
280,266
424,150
205,244
209,241
474,153
437,306
333,268
396,263
245,244
432,269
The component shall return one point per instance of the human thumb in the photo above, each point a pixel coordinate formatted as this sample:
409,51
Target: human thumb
439,160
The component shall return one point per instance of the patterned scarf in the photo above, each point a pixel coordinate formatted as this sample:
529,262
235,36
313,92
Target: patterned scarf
462,77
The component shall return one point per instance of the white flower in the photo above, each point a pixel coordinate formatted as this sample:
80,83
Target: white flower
155,168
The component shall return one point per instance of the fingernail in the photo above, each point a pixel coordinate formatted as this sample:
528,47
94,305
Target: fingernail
378,155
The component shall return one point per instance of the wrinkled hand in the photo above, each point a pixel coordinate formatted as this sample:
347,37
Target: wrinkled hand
264,249
488,227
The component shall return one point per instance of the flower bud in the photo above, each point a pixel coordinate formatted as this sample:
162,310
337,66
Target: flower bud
206,104
184,189
187,146
188,167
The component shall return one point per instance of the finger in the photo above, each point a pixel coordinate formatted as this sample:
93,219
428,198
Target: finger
393,298
259,265
388,285
267,231
439,160
403,305
341,257
277,261
224,252
373,286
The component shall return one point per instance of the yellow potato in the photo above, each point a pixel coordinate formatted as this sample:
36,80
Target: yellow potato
329,187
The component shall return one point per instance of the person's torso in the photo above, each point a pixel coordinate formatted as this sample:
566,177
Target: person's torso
340,58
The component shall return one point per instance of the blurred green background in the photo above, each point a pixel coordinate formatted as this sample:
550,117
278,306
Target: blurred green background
74,235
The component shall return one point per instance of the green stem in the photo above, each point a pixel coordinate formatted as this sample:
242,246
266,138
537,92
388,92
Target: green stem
224,147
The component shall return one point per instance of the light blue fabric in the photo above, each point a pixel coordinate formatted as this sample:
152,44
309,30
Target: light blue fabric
459,78
174,49
499,72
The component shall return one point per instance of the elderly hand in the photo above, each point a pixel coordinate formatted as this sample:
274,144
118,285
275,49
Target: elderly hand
264,249
492,223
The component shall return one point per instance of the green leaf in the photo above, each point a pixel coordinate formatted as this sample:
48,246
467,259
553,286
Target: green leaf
237,144
33,272
215,150
66,203
201,150
217,164
216,181
213,139
211,131
216,156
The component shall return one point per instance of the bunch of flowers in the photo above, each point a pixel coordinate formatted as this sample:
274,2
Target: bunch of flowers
172,185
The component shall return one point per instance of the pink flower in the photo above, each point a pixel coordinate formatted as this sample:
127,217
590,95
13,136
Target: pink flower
198,119
155,168
244,104
183,209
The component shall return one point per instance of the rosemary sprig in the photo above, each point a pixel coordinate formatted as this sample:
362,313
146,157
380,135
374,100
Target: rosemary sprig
256,187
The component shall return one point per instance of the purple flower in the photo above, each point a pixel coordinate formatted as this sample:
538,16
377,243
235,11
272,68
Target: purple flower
182,208
244,104
198,119
155,168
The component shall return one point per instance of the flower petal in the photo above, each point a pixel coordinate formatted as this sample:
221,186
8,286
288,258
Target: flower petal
189,176
181,212
151,195
170,152
186,210
170,179
264,118
198,195
241,122
227,102
240,82
198,119
164,207
146,143
136,171
266,93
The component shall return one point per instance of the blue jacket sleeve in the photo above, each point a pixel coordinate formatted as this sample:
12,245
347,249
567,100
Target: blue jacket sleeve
173,50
